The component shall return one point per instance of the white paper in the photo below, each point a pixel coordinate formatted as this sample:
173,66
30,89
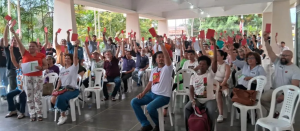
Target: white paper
29,67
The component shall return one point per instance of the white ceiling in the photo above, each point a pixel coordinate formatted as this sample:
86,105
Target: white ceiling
179,9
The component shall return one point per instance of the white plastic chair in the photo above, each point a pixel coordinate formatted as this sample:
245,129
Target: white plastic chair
46,104
287,113
161,117
73,102
186,75
96,87
260,84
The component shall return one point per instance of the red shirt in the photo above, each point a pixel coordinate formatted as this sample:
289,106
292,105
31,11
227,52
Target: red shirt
27,57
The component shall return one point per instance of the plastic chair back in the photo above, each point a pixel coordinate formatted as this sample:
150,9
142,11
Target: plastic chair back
237,74
150,62
290,102
99,77
186,75
52,78
261,82
79,78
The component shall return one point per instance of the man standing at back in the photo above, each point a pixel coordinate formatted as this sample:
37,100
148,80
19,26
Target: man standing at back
92,43
286,73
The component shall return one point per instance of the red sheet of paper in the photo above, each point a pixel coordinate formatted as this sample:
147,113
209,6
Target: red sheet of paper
62,48
210,33
237,37
117,39
143,39
86,39
13,23
268,28
244,42
229,39
17,31
104,30
221,34
122,32
194,39
212,47
70,30
225,31
74,37
7,17
59,29
46,29
202,34
88,29
152,32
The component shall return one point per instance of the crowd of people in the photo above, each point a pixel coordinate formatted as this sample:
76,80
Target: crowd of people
217,60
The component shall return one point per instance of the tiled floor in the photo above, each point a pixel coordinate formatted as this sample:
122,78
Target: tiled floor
112,116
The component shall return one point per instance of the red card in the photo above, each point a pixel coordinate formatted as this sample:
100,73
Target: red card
152,32
244,42
268,28
17,31
7,17
184,37
233,32
13,23
143,39
221,34
46,29
237,37
194,39
122,32
229,39
74,37
70,30
104,30
225,31
202,34
38,40
165,35
134,34
212,47
210,33
117,39
59,29
276,34
62,47
86,39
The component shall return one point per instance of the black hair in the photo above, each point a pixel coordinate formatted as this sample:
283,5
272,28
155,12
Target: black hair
191,51
149,38
205,58
282,42
236,45
94,36
34,43
201,52
222,53
53,59
154,57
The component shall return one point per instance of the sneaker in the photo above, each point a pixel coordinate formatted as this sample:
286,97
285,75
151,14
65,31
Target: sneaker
156,128
62,120
12,113
113,99
147,128
220,118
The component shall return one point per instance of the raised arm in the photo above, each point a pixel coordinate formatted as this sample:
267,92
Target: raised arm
21,47
75,55
200,42
182,49
165,52
122,49
135,48
214,62
87,50
13,59
5,40
104,39
46,41
88,32
270,51
117,52
56,43
68,36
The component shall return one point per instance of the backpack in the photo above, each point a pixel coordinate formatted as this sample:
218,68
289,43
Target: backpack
199,121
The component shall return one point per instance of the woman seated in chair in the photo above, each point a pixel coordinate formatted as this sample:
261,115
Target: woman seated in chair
18,91
51,67
198,88
67,81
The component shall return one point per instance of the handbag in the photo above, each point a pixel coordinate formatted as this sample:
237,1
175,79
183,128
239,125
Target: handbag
245,97
47,89
199,120
59,92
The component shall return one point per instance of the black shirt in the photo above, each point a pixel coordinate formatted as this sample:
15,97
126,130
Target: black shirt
81,68
2,57
141,62
17,55
50,51
259,51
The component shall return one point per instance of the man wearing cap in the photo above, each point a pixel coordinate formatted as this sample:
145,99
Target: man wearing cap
128,65
95,62
142,63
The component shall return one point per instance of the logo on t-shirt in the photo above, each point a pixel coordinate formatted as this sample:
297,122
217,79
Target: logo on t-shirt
191,67
156,77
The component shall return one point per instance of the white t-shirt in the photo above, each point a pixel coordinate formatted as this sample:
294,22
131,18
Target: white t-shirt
284,74
69,76
197,82
162,80
188,65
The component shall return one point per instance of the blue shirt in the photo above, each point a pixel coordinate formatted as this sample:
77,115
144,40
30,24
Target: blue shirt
128,64
141,62
19,77
71,50
220,44
92,46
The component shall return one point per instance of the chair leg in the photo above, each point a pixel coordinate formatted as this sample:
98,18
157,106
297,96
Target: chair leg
145,109
55,115
72,108
161,119
78,106
174,105
255,129
170,115
98,99
252,116
243,119
232,115
44,105
83,98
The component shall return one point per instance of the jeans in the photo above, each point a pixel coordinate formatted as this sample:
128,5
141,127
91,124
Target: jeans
153,102
117,82
3,76
11,103
212,113
11,75
62,101
137,75
125,77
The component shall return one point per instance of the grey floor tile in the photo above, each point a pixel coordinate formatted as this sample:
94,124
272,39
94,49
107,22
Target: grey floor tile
42,126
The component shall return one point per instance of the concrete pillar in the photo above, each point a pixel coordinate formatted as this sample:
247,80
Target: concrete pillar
133,23
267,18
163,27
64,18
281,23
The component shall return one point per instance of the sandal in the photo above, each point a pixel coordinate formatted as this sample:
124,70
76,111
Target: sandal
32,119
10,114
21,116
40,118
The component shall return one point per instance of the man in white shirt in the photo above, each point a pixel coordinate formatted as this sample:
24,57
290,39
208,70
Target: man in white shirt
161,89
191,63
286,73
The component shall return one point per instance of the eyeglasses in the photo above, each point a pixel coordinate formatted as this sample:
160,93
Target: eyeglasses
284,55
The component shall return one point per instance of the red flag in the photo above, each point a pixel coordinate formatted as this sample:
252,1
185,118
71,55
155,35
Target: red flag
74,37
70,30
58,31
46,29
229,39
221,34
122,32
224,31
7,17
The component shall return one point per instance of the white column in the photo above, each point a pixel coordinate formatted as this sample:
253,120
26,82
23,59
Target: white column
281,23
8,10
19,19
99,30
95,22
267,18
163,27
133,23
64,18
